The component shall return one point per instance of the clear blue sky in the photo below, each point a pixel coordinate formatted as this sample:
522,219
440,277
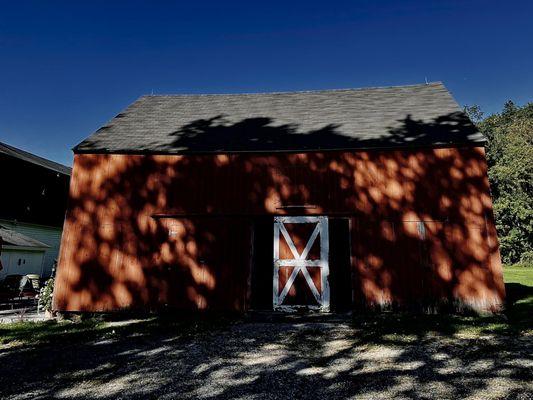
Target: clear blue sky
68,67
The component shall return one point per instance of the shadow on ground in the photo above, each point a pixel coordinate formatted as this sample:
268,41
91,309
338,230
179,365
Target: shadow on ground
368,356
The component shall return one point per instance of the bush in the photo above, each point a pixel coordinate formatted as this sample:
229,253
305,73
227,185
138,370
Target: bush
46,295
527,258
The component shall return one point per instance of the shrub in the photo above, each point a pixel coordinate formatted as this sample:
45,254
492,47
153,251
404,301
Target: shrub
527,258
46,295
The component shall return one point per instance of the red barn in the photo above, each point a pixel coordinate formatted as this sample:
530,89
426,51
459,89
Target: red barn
328,200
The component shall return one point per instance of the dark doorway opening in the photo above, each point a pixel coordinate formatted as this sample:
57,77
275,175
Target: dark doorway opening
339,264
262,265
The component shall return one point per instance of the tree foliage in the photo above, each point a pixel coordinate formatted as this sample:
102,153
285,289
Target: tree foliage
510,159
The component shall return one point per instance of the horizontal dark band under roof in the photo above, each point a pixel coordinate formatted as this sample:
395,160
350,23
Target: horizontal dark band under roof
415,115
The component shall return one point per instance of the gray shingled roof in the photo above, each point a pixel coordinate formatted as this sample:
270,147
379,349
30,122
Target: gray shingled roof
13,238
32,158
416,115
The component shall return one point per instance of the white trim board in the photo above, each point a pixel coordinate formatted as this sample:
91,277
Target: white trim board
301,262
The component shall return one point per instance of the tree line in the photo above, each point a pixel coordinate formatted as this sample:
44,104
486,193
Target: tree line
510,160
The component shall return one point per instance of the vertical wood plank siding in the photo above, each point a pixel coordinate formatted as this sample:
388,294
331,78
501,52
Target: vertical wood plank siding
421,225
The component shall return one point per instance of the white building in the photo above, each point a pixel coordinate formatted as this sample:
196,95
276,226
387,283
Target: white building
21,255
33,199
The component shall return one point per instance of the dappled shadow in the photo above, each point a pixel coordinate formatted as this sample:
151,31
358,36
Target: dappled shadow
262,134
368,357
181,230
517,292
519,304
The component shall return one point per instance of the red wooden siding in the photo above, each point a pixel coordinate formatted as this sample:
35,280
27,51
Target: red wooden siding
185,263
116,254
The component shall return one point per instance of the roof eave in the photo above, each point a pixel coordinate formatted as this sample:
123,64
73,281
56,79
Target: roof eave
472,143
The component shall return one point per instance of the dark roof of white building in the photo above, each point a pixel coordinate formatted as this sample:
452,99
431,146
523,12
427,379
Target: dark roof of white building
10,237
416,115
32,158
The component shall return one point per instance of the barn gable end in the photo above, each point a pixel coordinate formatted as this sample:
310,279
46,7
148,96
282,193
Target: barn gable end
186,217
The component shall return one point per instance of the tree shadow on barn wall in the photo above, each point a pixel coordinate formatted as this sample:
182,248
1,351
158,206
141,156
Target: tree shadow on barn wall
422,219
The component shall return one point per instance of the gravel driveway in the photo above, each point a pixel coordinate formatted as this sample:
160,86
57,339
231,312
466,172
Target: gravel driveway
274,360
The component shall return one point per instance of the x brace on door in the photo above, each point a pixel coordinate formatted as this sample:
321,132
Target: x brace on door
300,261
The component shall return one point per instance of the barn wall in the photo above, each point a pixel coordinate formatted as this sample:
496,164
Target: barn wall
416,216
183,263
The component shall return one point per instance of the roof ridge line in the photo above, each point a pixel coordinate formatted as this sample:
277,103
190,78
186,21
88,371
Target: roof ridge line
435,83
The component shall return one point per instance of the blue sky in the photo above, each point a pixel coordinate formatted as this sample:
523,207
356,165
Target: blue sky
68,67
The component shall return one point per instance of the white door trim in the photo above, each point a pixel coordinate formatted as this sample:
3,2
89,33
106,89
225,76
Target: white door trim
300,261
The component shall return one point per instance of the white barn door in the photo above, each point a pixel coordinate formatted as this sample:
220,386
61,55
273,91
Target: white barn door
301,267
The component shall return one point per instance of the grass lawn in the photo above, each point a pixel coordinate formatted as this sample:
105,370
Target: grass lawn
521,275
519,290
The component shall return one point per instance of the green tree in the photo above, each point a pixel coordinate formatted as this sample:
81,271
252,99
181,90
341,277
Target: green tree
510,159
474,112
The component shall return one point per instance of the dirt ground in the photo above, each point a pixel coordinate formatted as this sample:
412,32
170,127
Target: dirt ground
272,360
